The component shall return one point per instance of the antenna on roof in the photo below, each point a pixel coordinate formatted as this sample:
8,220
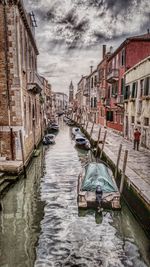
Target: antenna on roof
33,19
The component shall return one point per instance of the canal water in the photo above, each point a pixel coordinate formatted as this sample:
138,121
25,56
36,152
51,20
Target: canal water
40,225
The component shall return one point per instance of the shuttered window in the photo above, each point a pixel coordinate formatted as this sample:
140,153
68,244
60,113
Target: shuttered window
147,86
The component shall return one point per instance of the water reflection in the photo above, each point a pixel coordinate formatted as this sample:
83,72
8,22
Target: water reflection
22,211
66,236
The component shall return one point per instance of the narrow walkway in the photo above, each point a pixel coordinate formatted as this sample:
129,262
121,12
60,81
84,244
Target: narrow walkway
138,164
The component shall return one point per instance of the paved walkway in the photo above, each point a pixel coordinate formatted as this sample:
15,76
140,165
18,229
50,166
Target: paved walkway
138,163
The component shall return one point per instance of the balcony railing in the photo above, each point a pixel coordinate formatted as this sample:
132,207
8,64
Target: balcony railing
34,82
120,100
86,92
113,76
107,102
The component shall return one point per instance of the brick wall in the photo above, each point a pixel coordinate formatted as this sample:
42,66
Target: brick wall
21,111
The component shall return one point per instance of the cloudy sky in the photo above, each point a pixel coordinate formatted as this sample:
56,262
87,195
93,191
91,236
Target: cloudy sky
70,33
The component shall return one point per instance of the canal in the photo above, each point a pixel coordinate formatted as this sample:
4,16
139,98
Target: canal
40,224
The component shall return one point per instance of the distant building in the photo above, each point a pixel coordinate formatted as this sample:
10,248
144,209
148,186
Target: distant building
61,102
102,87
80,97
93,96
137,101
71,92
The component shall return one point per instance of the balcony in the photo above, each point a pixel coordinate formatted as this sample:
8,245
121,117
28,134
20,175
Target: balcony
107,102
86,92
113,76
34,82
120,101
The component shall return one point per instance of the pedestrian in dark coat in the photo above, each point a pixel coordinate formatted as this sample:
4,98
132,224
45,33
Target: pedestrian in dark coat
137,136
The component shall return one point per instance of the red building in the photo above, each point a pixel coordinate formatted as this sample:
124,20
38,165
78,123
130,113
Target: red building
129,53
102,87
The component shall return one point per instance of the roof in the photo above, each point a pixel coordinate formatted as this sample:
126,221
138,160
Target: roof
83,77
88,76
138,64
106,57
138,38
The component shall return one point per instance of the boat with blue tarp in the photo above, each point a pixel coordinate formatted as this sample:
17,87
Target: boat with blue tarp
97,187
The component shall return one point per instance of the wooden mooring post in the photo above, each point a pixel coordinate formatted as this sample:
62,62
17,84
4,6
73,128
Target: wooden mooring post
118,159
86,125
91,131
103,144
99,134
123,171
22,152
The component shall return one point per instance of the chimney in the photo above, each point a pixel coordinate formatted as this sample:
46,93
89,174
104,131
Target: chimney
104,50
91,67
111,49
148,31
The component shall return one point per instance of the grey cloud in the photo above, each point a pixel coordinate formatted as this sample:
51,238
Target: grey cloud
70,28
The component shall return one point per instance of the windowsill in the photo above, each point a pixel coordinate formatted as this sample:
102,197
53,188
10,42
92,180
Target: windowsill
145,97
132,99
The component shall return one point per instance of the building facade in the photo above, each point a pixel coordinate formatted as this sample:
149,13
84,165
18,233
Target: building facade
81,98
71,92
20,83
102,87
137,101
129,53
61,102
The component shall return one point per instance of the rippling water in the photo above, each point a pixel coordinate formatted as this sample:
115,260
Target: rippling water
45,210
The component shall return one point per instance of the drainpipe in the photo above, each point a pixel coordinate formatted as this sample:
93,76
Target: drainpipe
7,76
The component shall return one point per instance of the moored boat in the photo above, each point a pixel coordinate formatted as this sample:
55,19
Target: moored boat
82,142
53,127
76,131
49,139
97,187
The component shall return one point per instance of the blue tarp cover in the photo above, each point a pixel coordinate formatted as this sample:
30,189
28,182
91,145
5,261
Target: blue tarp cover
97,174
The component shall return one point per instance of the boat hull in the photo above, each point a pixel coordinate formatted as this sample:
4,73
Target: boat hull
83,146
87,199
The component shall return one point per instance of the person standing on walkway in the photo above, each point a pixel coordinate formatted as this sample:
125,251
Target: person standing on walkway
137,136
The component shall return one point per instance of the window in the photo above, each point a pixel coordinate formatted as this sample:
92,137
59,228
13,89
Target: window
91,102
141,87
146,121
109,92
132,119
122,57
95,80
109,115
134,90
147,86
122,86
127,92
92,82
114,89
95,102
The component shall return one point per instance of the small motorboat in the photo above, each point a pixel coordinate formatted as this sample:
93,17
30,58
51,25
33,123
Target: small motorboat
53,126
82,142
76,131
49,139
70,123
97,187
